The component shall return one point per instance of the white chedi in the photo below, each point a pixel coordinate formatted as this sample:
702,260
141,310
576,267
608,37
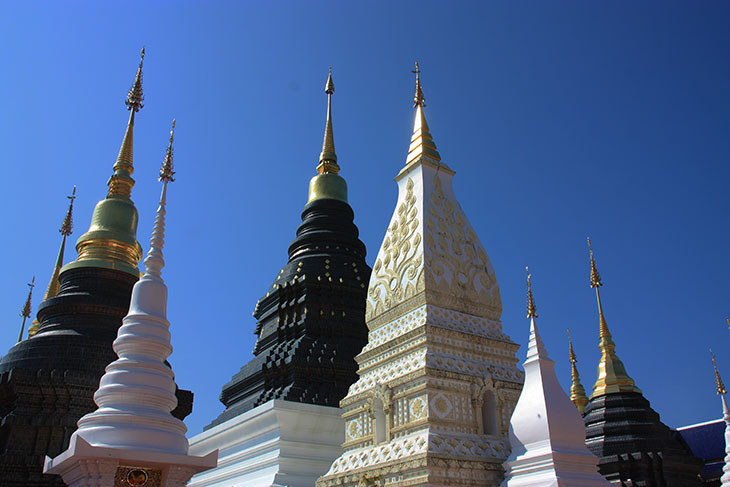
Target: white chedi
546,431
132,429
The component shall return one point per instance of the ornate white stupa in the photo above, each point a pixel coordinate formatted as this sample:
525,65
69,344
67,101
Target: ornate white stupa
546,430
438,379
132,439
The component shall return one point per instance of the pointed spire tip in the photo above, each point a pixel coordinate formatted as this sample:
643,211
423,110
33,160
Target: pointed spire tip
166,171
531,308
718,381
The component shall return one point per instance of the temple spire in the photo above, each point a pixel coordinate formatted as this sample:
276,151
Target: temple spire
25,313
53,283
327,184
577,392
721,391
328,157
111,241
612,376
66,229
535,349
121,182
422,144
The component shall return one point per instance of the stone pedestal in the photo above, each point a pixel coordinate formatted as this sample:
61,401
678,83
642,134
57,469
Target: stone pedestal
279,443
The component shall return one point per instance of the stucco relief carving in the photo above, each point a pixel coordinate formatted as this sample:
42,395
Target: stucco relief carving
397,275
456,263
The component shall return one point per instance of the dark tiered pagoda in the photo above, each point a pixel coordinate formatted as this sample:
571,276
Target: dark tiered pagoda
47,381
311,322
634,447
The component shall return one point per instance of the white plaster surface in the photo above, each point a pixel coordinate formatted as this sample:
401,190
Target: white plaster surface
133,425
279,443
546,431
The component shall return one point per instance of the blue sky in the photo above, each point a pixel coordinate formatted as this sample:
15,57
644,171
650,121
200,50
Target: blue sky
562,120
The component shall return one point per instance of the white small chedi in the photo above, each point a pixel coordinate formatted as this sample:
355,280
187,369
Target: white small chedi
132,439
546,431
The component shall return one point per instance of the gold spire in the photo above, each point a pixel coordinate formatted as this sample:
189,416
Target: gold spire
25,313
327,184
531,308
422,143
121,182
111,241
53,284
577,392
718,381
328,158
612,376
166,172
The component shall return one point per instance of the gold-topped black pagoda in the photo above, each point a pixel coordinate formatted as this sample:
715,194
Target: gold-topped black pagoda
633,446
311,321
48,381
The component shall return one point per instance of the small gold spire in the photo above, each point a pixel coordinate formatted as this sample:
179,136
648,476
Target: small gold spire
418,99
328,157
25,313
531,308
166,171
728,322
422,143
577,392
718,381
121,182
612,376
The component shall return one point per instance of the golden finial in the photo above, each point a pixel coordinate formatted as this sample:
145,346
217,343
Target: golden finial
135,97
718,380
166,172
595,276
25,314
577,392
67,225
328,158
418,99
531,308
612,376
422,143
728,322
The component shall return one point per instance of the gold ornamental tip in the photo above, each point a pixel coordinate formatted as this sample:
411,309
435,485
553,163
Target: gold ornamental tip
531,308
25,313
422,144
612,376
166,171
577,391
718,381
327,184
111,241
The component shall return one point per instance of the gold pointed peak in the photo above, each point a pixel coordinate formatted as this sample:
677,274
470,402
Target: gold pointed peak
135,97
329,88
728,322
531,308
418,99
67,225
595,276
26,307
718,381
571,353
328,157
166,171
577,391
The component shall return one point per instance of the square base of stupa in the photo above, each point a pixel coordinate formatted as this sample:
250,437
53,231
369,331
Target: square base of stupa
279,443
86,465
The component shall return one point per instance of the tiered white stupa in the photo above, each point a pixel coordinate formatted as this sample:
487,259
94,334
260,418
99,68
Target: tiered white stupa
132,439
438,377
546,430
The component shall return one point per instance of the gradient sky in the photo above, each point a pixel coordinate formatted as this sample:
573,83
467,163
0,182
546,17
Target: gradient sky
561,119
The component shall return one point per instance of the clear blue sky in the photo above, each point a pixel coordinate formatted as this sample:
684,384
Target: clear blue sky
562,120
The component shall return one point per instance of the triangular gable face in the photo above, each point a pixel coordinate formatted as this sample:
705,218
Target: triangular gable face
431,248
